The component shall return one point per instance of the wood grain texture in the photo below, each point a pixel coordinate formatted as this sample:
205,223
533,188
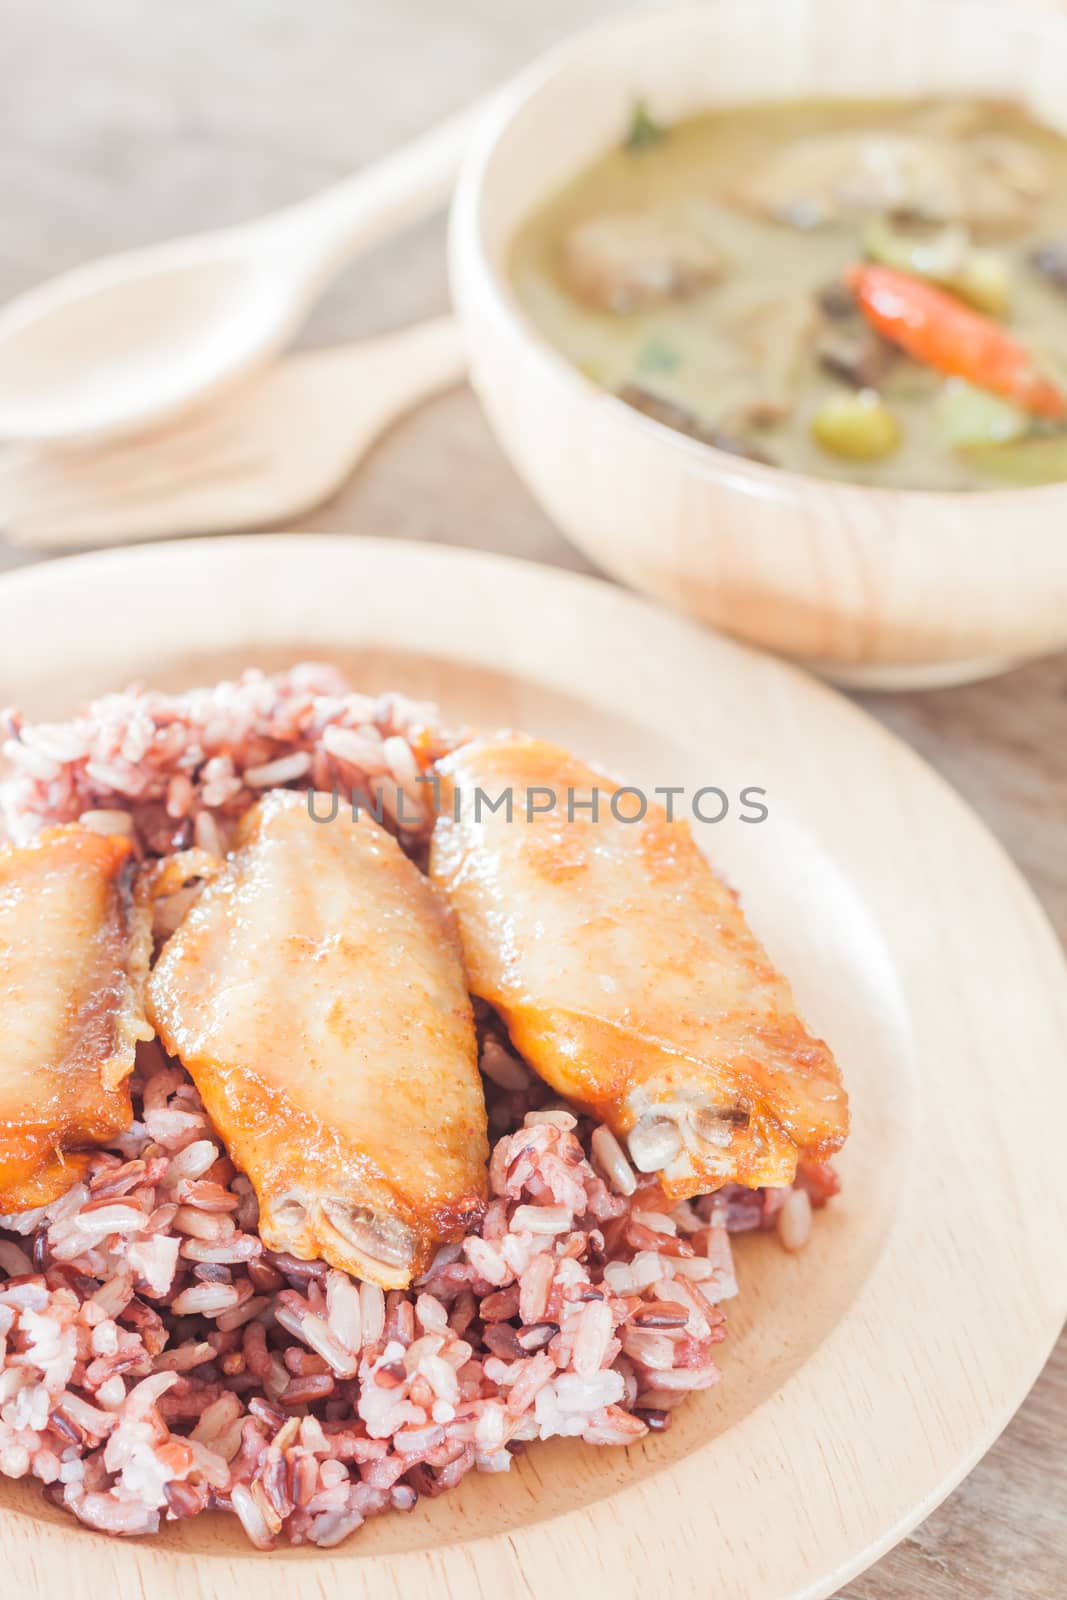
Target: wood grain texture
118,132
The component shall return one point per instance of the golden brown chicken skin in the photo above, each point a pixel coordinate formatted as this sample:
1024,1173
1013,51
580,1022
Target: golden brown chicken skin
73,954
315,993
626,973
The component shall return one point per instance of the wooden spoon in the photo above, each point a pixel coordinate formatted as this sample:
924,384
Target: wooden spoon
277,446
132,341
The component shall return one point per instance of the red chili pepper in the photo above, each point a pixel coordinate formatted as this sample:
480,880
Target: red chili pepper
937,330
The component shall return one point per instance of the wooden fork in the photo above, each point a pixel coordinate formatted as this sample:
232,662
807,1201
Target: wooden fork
268,451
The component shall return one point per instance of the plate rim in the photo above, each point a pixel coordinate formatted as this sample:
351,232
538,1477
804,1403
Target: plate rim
504,1555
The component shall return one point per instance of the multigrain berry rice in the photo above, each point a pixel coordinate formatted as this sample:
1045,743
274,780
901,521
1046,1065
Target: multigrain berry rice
157,1361
179,770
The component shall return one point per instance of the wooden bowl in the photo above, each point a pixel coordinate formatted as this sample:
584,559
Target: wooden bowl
882,587
862,1378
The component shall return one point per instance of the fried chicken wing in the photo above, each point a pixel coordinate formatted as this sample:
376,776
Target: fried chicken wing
73,955
315,993
626,972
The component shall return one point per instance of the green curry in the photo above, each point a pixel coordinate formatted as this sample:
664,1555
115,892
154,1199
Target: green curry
859,290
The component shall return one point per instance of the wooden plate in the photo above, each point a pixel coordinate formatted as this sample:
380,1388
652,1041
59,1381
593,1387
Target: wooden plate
862,1378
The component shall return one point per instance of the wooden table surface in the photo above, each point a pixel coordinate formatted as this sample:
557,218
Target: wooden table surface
123,124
